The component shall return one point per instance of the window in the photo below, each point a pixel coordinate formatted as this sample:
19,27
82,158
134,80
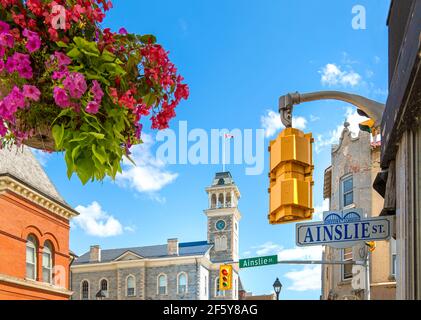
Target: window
347,186
131,283
221,243
218,293
393,257
31,258
182,283
347,268
85,290
104,287
47,263
162,284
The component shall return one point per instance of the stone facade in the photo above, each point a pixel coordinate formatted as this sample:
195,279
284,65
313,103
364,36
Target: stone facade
356,159
195,265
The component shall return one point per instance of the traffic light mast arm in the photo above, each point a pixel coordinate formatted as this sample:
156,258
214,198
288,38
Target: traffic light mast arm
372,108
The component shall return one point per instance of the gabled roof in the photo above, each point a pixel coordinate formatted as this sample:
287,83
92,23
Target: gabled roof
149,252
21,164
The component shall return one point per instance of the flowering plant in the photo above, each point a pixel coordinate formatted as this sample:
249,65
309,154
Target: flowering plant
67,85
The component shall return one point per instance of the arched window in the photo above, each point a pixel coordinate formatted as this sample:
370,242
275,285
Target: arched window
31,257
131,286
221,200
218,293
104,287
162,284
47,262
182,283
213,201
221,243
228,202
85,290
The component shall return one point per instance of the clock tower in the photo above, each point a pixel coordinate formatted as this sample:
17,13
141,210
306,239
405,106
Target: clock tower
223,218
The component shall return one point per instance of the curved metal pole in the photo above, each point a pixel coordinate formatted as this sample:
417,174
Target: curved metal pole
372,108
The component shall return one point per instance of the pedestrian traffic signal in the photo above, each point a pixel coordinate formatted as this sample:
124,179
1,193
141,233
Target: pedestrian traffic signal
371,245
225,277
291,177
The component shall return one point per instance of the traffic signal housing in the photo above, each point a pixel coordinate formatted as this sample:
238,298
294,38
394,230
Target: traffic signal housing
225,277
291,177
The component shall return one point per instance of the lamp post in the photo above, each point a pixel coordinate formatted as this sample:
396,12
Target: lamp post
277,286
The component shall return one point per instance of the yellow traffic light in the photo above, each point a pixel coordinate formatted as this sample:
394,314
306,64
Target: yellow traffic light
225,277
368,126
371,245
291,177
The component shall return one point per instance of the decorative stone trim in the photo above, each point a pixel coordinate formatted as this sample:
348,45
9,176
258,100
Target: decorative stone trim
8,183
35,284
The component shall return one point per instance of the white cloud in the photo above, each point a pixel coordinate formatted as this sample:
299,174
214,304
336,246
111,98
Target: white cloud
318,210
271,123
41,156
95,222
301,253
267,248
309,278
314,118
149,175
332,75
353,118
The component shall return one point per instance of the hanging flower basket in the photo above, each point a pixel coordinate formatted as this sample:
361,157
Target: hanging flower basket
68,85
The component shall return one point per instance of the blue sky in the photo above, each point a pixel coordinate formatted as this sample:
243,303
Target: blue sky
238,57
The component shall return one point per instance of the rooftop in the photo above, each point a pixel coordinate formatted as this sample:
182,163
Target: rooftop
149,252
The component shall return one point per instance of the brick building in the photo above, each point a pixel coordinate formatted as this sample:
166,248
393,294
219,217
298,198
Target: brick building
169,271
34,231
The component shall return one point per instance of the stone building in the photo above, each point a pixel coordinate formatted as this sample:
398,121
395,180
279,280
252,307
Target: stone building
170,271
348,184
34,231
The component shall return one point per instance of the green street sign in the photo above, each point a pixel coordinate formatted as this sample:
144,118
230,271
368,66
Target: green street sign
258,261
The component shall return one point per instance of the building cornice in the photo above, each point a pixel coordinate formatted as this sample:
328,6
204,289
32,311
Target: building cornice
217,212
35,285
20,188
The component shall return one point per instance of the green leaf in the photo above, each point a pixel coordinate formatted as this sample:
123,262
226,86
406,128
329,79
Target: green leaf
58,134
62,44
86,46
99,154
149,99
99,136
75,152
74,53
84,169
148,38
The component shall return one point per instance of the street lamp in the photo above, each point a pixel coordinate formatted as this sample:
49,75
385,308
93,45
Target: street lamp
277,286
100,295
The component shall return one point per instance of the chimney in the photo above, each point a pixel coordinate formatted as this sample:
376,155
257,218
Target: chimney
172,247
95,254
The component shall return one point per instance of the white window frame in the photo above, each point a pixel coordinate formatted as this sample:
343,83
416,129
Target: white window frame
342,194
218,293
108,287
81,289
158,284
178,283
343,266
48,249
32,243
127,286
393,258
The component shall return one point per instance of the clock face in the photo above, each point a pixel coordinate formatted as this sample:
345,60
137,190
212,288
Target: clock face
220,225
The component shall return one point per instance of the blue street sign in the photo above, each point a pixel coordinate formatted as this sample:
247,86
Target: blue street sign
343,229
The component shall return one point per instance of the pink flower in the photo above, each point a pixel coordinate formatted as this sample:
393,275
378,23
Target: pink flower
92,107
97,91
62,59
34,41
4,27
2,52
1,65
31,92
122,31
7,40
3,129
75,83
61,97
